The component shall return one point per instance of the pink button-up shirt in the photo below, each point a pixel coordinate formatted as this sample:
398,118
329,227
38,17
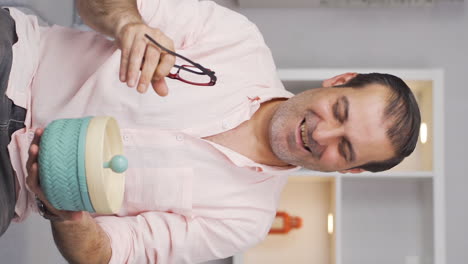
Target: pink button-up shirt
186,199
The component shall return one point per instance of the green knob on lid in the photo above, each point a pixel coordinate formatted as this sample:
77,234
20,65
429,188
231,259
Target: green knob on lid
117,164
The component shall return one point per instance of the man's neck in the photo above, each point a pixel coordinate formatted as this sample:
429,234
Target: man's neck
251,138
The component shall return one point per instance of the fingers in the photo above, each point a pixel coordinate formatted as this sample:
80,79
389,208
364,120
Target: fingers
135,62
37,136
160,87
125,43
31,165
166,63
33,181
32,155
34,148
164,68
139,53
150,63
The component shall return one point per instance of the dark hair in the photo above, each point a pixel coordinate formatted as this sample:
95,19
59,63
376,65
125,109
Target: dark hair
402,109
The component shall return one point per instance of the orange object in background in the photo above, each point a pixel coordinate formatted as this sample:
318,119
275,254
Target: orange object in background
284,223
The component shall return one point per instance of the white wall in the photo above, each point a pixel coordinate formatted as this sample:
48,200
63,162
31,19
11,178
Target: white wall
57,12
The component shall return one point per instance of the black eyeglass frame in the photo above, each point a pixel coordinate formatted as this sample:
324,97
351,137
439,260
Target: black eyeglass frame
204,71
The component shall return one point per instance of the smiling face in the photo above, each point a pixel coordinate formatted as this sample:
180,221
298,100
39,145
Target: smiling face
332,129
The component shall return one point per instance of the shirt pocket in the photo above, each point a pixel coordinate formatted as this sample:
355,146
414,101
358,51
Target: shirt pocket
159,189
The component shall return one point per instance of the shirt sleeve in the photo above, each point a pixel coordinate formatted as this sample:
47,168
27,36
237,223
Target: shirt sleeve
188,22
159,237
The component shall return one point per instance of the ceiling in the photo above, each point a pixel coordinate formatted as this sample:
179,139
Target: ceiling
330,3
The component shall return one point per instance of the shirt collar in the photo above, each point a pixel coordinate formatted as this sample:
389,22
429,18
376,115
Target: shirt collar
242,161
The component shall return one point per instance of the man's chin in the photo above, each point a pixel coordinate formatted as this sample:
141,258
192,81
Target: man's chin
286,155
317,168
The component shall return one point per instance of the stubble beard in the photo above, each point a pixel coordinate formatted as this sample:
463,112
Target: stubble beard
278,137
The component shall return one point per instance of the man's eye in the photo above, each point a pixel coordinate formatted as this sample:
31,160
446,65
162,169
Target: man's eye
341,117
343,151
336,112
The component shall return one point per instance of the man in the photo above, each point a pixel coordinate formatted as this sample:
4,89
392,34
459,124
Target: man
207,163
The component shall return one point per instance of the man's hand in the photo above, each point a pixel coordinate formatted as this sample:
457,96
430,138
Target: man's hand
77,236
32,181
138,53
121,20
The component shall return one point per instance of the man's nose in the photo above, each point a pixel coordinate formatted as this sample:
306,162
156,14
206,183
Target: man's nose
329,134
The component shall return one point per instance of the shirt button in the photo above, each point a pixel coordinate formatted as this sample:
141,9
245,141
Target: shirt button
180,137
225,124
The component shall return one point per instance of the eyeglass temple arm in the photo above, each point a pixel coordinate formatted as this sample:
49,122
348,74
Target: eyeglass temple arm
205,70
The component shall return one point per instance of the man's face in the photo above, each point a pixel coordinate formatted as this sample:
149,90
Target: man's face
332,129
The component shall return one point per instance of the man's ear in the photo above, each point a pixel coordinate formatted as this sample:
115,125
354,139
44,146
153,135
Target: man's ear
353,170
339,79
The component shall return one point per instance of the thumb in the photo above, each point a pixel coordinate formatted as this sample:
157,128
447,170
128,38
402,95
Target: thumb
76,216
160,87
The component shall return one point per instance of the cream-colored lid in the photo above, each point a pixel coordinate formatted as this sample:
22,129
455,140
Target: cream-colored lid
105,187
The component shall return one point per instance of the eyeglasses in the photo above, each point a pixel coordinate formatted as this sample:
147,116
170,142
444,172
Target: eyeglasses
192,73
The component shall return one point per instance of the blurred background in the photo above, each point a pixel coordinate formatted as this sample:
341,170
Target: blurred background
411,215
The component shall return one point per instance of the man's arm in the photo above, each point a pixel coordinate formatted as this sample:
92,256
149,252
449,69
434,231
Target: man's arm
109,16
82,241
77,235
121,20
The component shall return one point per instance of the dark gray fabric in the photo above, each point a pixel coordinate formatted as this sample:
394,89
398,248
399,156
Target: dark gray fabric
11,119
